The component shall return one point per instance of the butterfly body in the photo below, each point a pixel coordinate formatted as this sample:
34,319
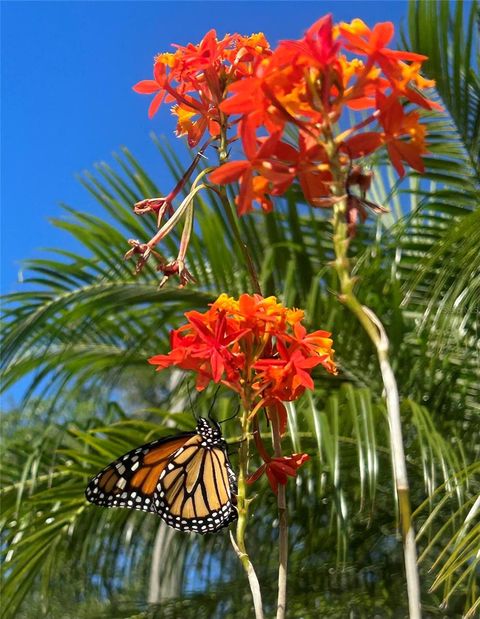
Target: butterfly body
186,479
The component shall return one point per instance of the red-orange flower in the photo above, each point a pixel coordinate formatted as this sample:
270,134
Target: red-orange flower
261,174
360,39
308,83
252,344
157,85
194,79
283,107
279,469
203,346
397,125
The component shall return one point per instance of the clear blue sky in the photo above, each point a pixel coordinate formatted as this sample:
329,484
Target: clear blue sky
67,72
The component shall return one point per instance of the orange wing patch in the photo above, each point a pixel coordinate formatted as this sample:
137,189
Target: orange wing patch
164,451
131,480
220,478
197,483
146,478
109,480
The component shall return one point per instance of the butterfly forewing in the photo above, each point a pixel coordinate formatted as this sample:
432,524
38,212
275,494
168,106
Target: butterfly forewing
131,480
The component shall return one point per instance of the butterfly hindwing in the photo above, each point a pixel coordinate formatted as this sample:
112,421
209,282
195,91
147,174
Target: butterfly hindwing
131,480
196,491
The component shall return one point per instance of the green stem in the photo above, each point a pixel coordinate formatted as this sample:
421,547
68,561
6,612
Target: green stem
230,211
243,455
242,506
233,221
282,528
376,332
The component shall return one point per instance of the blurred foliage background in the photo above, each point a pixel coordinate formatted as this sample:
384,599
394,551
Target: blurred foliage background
80,328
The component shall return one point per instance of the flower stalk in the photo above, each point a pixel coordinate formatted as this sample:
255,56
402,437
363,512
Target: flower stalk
242,506
243,501
282,527
376,332
230,210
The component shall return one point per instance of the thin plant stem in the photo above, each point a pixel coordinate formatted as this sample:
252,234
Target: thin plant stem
230,211
242,506
243,454
282,528
376,332
232,220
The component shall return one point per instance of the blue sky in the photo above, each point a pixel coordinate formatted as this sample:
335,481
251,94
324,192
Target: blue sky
67,72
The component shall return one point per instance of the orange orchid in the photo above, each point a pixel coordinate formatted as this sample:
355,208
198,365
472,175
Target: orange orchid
279,469
283,107
360,39
307,83
259,349
157,85
373,44
397,124
261,174
250,343
204,69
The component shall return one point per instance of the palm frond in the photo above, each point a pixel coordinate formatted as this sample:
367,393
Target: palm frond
455,562
47,522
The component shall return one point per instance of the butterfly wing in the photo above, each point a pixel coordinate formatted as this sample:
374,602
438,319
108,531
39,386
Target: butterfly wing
131,481
196,490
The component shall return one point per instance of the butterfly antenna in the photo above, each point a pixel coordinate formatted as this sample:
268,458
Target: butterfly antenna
213,404
234,414
189,391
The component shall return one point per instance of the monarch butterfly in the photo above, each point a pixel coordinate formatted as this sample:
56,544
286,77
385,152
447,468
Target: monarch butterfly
186,479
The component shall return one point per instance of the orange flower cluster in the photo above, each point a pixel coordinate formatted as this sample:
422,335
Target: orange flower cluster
194,79
259,349
308,85
253,345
